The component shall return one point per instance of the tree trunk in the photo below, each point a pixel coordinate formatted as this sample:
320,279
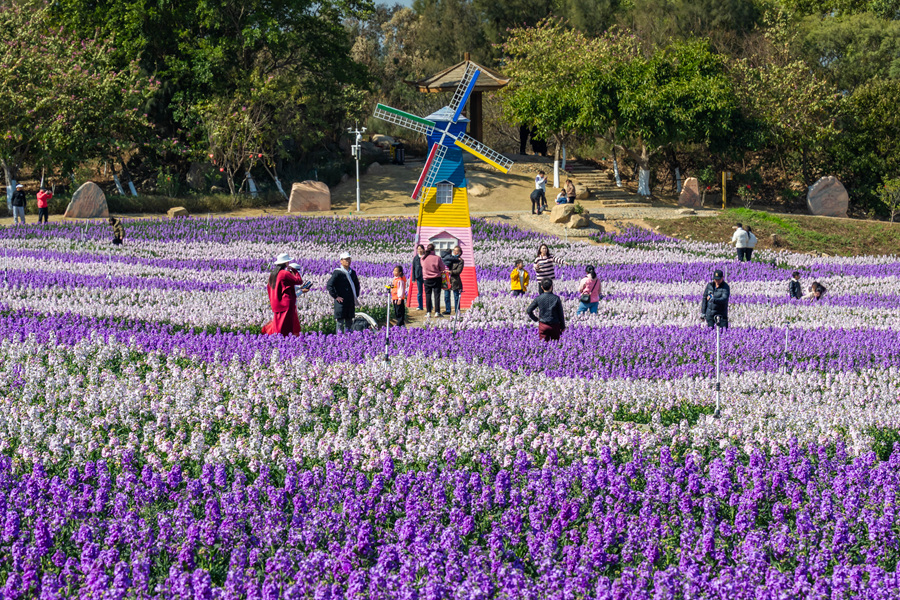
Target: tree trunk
127,174
644,172
9,173
556,163
616,168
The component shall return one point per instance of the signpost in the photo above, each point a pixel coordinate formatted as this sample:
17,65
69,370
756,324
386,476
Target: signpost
355,152
726,176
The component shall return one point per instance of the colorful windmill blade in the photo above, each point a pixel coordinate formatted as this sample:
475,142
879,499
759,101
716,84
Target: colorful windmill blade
404,119
430,170
464,90
476,148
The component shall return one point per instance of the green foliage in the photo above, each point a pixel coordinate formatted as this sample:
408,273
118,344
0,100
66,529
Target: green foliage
884,439
63,98
667,416
852,49
890,196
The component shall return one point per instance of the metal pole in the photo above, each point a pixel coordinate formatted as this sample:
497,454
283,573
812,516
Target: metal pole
718,381
357,173
786,334
387,330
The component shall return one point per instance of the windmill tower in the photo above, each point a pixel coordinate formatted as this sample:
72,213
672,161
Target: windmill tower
442,187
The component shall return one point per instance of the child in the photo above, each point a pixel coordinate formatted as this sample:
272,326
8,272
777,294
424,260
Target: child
519,279
398,296
794,288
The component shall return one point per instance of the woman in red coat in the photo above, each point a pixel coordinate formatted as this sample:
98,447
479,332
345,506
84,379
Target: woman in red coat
283,298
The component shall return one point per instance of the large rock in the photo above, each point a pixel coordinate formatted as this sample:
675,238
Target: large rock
690,193
582,192
178,211
383,141
561,213
828,198
477,190
581,221
309,196
374,167
88,202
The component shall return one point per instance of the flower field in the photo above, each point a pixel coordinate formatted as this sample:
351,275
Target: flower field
154,445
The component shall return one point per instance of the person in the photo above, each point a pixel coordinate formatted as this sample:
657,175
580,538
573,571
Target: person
282,290
589,288
432,270
18,204
455,264
570,191
794,288
561,197
540,186
519,279
751,243
714,307
544,264
816,291
398,296
344,288
43,197
551,319
118,231
537,208
740,239
416,273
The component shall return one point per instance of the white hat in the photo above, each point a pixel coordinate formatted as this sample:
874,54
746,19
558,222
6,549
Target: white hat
282,259
344,255
19,186
294,266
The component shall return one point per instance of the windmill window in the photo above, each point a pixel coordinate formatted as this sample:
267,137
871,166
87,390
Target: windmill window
444,193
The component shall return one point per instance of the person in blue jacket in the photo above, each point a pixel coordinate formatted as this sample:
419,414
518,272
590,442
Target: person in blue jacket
714,306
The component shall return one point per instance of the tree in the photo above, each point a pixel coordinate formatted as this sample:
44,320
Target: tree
63,102
797,106
890,195
641,104
547,65
852,49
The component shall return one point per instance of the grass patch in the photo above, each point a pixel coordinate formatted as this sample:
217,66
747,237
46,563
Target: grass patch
884,439
799,233
667,416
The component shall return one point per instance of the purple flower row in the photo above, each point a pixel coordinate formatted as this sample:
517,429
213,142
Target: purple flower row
808,523
585,352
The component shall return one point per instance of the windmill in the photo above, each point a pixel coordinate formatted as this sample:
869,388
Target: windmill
441,189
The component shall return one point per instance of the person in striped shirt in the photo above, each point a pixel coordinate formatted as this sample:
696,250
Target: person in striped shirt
545,264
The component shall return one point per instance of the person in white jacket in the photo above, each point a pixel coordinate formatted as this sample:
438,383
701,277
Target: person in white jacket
740,239
751,243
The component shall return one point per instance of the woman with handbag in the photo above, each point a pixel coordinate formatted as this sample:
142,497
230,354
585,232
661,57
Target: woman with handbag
432,270
589,290
283,281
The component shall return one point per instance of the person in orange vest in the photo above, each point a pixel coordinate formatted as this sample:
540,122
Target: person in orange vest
43,196
398,296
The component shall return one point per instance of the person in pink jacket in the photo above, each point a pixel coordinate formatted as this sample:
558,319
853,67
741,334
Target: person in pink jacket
588,292
432,269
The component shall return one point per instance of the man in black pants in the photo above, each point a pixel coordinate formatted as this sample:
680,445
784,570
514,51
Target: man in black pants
714,307
432,269
551,319
344,288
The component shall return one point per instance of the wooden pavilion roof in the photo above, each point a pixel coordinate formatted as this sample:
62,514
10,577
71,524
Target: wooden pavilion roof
448,79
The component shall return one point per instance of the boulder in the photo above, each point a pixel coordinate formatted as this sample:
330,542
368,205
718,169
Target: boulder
828,198
582,192
309,196
581,221
177,211
216,190
88,202
561,213
198,174
776,241
687,211
690,193
375,167
477,190
382,140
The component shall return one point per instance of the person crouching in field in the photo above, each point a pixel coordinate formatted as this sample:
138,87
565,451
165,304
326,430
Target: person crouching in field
816,291
283,298
518,279
118,231
398,296
551,319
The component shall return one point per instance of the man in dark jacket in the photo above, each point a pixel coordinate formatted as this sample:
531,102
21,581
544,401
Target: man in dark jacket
714,306
18,204
416,273
344,288
551,320
794,288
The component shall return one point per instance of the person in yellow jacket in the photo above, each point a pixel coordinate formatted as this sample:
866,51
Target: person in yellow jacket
519,279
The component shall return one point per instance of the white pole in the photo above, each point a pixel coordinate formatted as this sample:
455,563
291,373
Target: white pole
718,382
387,330
357,175
786,333
355,151
252,185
